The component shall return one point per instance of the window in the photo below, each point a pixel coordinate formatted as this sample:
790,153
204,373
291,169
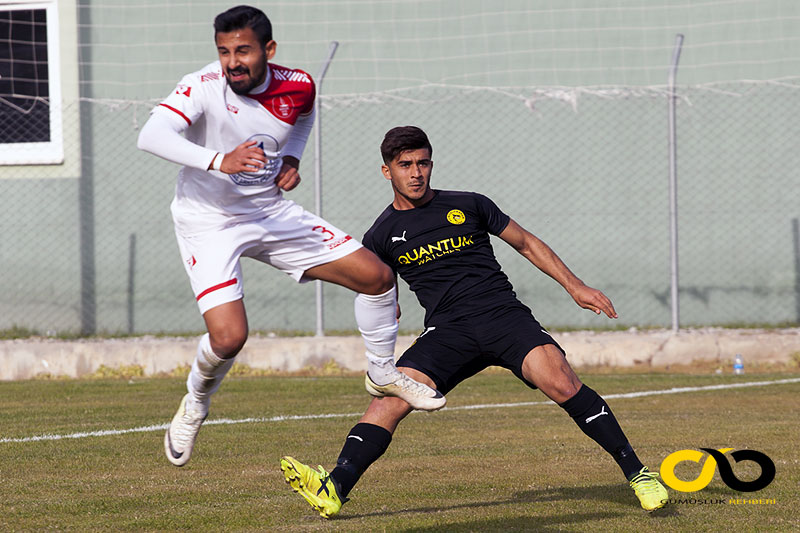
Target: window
30,85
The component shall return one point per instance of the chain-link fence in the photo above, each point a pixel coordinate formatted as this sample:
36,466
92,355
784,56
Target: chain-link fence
585,170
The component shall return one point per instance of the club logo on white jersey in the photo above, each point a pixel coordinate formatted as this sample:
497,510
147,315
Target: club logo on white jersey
185,90
282,106
400,238
269,145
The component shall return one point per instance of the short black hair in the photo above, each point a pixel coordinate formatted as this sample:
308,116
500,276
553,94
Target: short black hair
401,139
240,17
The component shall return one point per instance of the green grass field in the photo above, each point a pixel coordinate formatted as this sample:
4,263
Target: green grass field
497,467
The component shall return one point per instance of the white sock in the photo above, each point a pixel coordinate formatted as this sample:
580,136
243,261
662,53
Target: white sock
376,316
381,369
207,372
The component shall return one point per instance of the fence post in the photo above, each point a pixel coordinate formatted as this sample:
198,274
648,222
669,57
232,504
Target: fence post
796,243
318,176
673,184
86,207
131,282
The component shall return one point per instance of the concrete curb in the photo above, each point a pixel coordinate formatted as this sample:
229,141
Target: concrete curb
26,358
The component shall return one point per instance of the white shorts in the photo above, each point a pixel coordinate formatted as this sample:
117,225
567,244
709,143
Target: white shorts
292,240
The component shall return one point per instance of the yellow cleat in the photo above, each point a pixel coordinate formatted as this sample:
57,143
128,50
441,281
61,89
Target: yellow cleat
416,394
651,493
316,487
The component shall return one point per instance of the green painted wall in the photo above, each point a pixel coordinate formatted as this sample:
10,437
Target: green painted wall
574,147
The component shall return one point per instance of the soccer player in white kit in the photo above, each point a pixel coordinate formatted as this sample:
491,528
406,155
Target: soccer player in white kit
245,123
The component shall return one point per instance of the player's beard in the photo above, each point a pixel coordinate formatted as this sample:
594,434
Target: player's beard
253,80
414,194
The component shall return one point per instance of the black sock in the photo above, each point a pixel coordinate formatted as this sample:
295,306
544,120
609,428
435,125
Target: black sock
595,418
364,444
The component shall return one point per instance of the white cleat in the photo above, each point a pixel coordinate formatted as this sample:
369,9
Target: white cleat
416,394
182,431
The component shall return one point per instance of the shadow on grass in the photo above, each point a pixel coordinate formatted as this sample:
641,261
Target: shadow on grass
616,493
578,521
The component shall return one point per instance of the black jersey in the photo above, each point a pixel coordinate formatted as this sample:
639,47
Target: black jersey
442,251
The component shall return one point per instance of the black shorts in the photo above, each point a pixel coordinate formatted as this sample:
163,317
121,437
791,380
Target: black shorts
452,352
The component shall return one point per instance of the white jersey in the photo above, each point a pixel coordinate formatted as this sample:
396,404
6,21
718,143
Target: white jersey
212,116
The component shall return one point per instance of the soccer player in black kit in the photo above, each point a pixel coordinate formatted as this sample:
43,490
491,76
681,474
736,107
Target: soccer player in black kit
438,242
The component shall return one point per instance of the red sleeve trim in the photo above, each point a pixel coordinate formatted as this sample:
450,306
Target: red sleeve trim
217,287
178,112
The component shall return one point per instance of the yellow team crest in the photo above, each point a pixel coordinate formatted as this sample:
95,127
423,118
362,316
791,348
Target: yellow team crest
456,217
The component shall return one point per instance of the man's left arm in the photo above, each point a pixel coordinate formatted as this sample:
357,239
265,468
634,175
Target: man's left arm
545,259
288,178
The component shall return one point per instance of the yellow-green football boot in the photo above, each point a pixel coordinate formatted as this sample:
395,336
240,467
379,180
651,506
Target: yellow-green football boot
651,493
316,486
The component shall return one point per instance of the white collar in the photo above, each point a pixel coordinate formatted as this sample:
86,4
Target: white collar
263,87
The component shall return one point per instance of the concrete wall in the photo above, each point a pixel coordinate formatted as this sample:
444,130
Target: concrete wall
29,358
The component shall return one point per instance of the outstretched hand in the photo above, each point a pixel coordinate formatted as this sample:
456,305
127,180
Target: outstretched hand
593,300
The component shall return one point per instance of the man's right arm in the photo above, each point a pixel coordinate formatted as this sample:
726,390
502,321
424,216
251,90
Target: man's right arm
161,136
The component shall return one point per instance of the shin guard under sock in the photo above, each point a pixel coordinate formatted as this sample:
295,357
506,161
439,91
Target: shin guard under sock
207,372
596,420
376,317
364,444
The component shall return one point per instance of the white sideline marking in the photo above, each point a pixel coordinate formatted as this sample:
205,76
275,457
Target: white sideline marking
284,418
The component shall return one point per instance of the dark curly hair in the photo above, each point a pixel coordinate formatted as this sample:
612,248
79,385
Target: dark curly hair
401,139
240,17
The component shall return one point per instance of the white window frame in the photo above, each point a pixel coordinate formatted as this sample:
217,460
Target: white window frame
51,152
